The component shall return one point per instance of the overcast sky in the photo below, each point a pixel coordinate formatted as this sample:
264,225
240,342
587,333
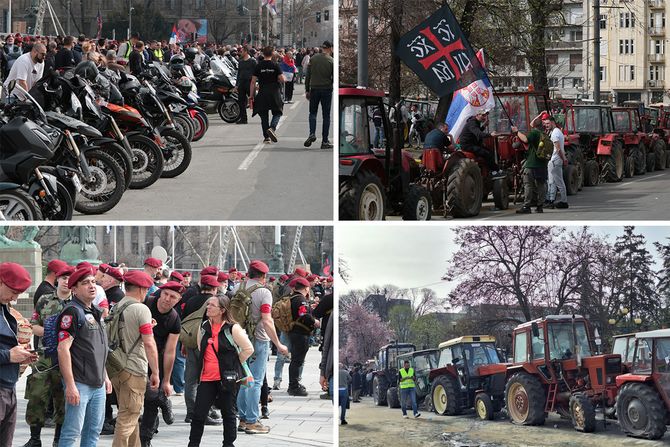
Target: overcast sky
412,256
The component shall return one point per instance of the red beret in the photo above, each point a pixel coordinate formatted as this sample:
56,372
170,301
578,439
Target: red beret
176,275
174,286
84,264
544,116
79,274
18,40
301,272
15,276
222,276
153,262
232,269
210,270
259,265
330,279
283,277
302,281
186,274
138,278
114,273
103,267
56,265
65,271
209,280
311,278
272,278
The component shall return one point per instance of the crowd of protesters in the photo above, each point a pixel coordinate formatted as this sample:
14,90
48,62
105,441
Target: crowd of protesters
110,336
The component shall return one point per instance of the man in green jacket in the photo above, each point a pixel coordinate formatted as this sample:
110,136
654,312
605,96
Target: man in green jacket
534,171
319,90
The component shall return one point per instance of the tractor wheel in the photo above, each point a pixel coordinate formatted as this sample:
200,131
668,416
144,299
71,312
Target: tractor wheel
659,152
651,162
582,413
501,193
484,407
629,167
428,403
591,173
641,411
465,189
418,205
640,159
615,161
392,397
379,388
571,178
525,399
445,396
363,198
576,158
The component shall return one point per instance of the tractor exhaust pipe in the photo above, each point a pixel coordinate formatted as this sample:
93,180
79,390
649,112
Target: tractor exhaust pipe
577,349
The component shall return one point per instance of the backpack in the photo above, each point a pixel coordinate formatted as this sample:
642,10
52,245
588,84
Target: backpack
50,337
282,314
240,308
190,326
118,355
545,148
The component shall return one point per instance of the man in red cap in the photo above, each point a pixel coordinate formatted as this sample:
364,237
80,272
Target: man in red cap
111,280
82,353
260,312
187,279
136,335
14,280
304,325
45,382
166,333
152,267
197,305
48,285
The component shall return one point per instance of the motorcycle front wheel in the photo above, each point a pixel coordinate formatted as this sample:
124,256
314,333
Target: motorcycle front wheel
16,204
176,153
104,190
229,110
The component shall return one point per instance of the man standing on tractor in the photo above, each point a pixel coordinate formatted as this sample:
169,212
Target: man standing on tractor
407,389
472,138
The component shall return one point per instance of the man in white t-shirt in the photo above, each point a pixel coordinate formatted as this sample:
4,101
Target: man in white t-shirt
556,163
28,68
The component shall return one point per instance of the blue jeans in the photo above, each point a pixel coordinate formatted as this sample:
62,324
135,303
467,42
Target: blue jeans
265,121
404,394
84,419
282,359
248,398
177,377
323,96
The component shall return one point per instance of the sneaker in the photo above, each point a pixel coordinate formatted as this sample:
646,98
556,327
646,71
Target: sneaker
212,421
326,145
405,416
166,411
107,428
257,429
272,134
277,384
267,141
310,139
265,413
417,415
550,205
343,422
561,205
523,210
325,396
242,426
299,391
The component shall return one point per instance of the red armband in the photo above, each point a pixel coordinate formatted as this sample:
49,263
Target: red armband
63,335
103,304
302,310
266,309
146,329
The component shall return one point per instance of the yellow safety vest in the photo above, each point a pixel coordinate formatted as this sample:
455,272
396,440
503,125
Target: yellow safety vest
129,49
406,373
158,54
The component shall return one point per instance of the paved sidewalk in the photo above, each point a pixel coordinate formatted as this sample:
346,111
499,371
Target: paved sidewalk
294,421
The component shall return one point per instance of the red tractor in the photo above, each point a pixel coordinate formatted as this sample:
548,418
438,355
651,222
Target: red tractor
643,402
636,142
375,173
592,129
554,370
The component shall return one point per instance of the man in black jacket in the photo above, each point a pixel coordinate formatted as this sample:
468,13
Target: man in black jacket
304,324
65,57
136,60
245,70
472,137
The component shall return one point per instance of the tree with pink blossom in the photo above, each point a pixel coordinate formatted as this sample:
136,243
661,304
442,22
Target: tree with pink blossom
362,333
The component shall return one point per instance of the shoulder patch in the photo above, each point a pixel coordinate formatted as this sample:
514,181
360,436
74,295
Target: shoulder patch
66,322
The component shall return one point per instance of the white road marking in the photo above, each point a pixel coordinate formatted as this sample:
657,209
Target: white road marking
646,177
254,152
294,105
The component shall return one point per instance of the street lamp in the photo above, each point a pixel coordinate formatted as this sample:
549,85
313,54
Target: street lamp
130,21
244,8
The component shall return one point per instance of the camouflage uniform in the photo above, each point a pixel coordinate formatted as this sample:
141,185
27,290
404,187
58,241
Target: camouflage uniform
48,383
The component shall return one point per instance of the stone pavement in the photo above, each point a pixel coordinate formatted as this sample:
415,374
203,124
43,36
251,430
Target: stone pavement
294,421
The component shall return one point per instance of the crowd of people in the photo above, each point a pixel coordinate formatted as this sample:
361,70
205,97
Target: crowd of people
110,336
265,77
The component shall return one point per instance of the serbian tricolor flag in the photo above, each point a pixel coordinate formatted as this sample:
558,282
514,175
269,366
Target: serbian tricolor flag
468,101
271,5
327,268
99,20
173,36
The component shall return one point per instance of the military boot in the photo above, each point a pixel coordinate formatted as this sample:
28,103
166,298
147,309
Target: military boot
35,433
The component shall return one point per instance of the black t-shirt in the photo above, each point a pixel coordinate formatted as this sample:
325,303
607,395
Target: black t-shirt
267,72
114,295
44,288
195,303
64,58
166,324
302,313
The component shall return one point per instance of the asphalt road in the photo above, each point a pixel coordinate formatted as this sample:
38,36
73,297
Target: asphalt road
372,426
234,176
642,197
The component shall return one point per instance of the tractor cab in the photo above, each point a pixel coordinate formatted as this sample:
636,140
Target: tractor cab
386,369
423,362
469,373
643,402
624,345
375,174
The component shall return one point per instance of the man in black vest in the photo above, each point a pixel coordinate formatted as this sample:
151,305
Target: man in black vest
304,324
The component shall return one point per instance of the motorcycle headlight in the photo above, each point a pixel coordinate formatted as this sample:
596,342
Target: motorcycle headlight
90,105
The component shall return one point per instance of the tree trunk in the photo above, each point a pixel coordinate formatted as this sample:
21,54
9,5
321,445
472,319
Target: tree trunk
467,19
396,30
536,53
